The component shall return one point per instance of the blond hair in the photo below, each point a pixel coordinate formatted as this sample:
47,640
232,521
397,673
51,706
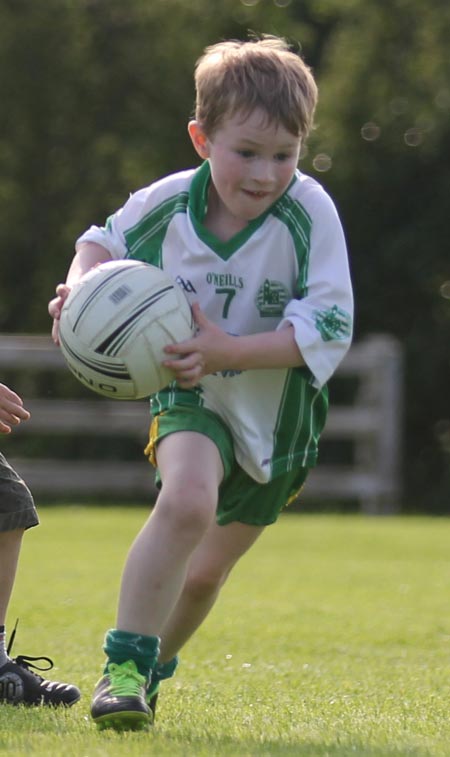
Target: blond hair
263,73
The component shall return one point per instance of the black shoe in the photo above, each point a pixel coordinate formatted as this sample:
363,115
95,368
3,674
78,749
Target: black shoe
119,699
151,698
20,685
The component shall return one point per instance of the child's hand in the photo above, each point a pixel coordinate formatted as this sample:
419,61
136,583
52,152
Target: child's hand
210,350
55,306
12,410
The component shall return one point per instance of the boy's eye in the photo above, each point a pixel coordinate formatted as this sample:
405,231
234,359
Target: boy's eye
248,154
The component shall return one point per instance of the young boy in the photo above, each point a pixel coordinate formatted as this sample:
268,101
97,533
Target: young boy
259,250
19,684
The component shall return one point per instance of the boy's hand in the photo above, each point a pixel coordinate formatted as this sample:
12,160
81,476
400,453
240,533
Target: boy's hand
210,350
12,410
55,306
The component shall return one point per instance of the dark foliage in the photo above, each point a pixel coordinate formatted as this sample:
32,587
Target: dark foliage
96,95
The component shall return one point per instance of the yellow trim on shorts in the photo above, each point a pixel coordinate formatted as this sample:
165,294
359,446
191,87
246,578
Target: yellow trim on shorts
150,449
294,496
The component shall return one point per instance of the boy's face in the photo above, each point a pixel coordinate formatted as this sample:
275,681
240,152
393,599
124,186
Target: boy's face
252,164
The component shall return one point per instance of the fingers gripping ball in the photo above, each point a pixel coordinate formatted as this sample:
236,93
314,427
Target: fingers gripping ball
115,324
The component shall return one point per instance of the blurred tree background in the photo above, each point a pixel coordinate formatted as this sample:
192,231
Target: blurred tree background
95,97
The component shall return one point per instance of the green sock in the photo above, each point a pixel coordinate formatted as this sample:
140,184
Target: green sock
163,670
121,646
160,672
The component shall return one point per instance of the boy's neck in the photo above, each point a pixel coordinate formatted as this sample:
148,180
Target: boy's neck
219,221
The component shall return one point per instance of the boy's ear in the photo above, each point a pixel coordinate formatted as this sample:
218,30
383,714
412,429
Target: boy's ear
199,139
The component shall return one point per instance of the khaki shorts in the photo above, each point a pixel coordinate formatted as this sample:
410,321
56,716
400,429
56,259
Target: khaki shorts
241,498
17,508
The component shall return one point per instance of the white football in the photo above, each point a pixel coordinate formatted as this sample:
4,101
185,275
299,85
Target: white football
115,324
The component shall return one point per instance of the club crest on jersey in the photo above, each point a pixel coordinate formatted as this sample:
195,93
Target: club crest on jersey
271,298
333,323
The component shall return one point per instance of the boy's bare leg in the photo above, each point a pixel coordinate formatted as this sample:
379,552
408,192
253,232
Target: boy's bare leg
191,470
10,543
209,566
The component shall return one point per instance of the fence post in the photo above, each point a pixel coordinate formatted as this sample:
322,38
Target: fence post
382,389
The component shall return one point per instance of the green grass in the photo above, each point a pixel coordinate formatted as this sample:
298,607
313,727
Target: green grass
331,638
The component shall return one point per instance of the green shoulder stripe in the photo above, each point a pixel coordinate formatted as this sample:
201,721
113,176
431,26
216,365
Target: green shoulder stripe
144,240
299,222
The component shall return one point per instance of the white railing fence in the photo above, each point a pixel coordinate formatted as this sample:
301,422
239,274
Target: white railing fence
371,422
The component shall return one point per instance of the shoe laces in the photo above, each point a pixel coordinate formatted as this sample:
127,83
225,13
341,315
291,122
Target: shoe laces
26,661
125,679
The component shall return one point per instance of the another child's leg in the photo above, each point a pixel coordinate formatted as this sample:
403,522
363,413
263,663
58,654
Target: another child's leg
10,543
191,470
19,684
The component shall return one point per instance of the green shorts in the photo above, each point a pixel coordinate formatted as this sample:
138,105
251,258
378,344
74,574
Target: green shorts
17,509
241,498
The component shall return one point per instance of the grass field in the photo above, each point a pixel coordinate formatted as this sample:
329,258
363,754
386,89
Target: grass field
332,638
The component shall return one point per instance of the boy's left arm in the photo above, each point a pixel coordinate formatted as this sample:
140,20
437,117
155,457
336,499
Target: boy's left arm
212,350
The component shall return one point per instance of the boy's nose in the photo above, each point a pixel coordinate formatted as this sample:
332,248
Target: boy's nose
262,171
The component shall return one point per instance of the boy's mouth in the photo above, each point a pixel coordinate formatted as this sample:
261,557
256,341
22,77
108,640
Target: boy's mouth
259,195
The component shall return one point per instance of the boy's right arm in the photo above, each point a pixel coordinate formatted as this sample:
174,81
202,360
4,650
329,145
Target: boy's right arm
88,255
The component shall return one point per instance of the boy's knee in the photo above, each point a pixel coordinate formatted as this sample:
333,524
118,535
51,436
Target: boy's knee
189,506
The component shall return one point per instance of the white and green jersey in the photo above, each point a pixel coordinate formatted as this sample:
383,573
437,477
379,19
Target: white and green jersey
289,264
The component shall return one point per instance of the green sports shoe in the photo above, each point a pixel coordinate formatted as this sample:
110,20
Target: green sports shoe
119,699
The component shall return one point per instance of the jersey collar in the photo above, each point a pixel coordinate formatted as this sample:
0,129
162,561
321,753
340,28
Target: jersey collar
197,204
